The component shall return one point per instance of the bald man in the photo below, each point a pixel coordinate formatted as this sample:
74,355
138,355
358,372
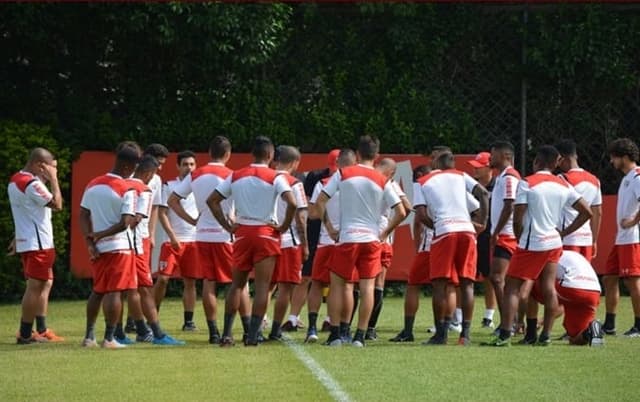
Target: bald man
31,204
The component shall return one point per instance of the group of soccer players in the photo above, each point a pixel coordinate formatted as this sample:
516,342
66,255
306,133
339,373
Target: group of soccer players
530,239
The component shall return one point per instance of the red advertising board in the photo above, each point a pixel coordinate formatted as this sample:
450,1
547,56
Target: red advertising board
91,164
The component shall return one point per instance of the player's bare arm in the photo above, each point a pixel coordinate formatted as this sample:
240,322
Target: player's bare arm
291,210
482,195
318,209
166,225
86,229
627,223
174,203
301,225
11,249
125,221
596,219
214,202
518,219
584,214
50,173
423,216
417,232
399,213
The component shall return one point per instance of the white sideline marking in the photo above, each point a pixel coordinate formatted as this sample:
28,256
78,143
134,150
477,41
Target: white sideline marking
318,372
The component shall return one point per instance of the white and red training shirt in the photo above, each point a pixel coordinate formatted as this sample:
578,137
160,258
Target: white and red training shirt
184,231
445,193
29,197
332,209
588,186
107,198
504,188
255,190
386,211
575,272
546,196
363,193
201,183
290,238
142,207
628,204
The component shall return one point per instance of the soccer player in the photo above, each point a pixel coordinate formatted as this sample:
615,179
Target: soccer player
444,207
31,205
160,153
585,239
293,242
213,243
624,260
483,173
578,293
142,305
503,240
537,214
301,291
419,272
363,194
180,251
106,213
387,167
257,232
320,272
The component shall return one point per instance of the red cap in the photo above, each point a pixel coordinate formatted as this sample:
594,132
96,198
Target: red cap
481,160
332,159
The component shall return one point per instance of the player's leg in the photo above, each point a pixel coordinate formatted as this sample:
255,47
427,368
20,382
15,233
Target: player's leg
510,301
112,309
612,298
366,286
633,284
160,289
497,277
262,282
467,303
314,301
41,313
547,282
285,290
298,299
209,305
135,310
232,303
378,298
490,303
349,305
31,303
335,303
411,304
441,308
93,309
188,303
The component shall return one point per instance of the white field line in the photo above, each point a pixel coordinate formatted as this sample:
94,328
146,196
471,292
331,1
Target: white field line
318,372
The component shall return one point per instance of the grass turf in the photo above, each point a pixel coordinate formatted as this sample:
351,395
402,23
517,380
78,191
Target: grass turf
381,371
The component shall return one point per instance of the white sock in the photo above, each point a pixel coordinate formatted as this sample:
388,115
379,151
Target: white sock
458,315
293,319
488,314
327,319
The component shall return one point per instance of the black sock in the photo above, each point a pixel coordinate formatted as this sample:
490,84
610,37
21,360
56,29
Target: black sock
637,323
313,320
356,300
141,328
254,328
246,323
344,329
610,320
442,328
335,332
119,331
90,331
213,327
109,331
41,324
543,337
228,324
275,327
466,325
188,316
532,328
359,335
157,331
408,324
25,329
130,322
378,294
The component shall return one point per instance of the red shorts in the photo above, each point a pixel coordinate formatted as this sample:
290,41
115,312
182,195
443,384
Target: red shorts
361,259
585,251
386,255
143,268
527,264
38,264
320,269
579,308
288,266
419,272
114,272
215,260
183,262
254,244
454,254
624,261
508,243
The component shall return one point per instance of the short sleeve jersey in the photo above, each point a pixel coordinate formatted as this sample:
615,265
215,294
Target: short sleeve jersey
29,198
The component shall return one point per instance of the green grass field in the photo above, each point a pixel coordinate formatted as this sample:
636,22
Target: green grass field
381,371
